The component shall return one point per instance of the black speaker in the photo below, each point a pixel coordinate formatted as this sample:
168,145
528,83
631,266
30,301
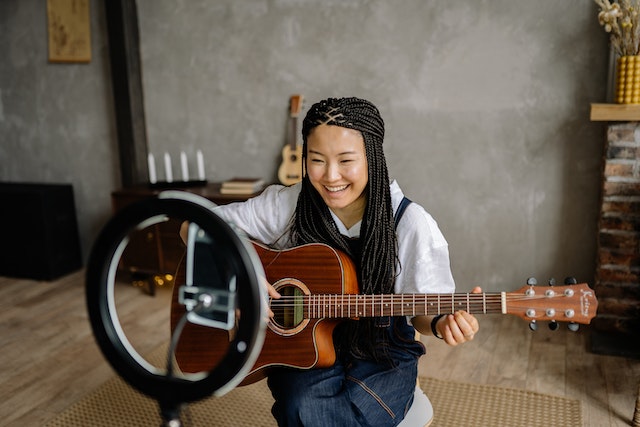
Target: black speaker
40,231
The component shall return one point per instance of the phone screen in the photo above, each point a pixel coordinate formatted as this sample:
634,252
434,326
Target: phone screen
209,293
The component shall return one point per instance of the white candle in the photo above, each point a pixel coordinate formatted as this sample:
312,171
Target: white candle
200,165
152,169
167,168
184,166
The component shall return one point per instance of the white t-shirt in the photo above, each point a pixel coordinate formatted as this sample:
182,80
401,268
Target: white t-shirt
423,251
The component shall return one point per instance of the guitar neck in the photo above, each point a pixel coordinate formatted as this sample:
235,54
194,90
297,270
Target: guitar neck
570,303
293,133
356,305
295,106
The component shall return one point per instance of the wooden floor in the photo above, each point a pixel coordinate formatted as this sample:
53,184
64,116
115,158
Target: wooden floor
50,359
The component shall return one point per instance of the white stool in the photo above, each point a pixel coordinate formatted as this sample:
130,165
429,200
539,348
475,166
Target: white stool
421,412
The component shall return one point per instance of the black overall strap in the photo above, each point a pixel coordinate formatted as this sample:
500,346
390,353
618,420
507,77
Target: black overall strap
403,205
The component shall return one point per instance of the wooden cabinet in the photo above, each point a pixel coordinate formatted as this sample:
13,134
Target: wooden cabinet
156,250
40,231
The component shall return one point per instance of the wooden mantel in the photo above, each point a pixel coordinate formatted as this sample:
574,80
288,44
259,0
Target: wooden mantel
615,112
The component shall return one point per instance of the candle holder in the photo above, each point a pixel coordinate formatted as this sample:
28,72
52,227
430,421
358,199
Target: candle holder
164,185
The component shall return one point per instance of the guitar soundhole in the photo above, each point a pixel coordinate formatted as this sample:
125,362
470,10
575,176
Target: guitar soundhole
288,310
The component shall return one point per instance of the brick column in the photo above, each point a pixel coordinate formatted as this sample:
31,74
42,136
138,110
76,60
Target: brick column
616,329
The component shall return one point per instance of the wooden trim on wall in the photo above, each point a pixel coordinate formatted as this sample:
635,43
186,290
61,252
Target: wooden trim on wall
615,112
126,78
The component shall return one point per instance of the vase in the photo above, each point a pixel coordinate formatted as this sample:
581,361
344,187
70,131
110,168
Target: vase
628,80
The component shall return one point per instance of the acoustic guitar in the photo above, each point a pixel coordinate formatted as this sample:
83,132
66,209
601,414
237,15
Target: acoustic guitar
319,289
290,170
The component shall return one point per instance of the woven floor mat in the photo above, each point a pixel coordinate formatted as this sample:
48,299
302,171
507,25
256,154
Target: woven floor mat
115,403
462,404
455,404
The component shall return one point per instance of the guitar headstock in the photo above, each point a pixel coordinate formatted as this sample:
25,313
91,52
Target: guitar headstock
295,105
567,303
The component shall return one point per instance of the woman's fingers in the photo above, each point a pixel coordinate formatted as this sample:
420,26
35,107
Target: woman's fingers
271,291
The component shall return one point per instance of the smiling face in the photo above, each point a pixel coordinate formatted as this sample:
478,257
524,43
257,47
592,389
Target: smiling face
337,169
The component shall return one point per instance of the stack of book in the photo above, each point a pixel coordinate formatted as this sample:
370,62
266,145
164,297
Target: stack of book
242,186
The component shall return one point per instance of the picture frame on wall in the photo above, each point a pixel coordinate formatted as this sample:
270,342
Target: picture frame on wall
69,30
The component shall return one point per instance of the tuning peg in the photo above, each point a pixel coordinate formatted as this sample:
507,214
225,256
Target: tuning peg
531,281
553,325
570,280
533,325
552,282
573,327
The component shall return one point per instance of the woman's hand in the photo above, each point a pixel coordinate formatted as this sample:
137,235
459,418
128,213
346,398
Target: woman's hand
459,327
271,291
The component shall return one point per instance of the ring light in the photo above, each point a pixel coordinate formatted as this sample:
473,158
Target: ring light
231,251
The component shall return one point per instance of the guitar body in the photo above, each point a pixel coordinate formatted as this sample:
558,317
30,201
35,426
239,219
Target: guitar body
290,340
290,170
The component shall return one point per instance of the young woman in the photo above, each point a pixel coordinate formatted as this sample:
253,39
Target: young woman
345,200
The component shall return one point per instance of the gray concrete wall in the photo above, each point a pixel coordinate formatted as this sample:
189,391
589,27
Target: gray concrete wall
486,104
56,120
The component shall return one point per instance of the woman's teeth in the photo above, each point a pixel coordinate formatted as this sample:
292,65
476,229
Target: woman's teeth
334,189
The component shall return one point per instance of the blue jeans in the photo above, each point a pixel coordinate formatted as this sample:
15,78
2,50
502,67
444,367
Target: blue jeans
352,392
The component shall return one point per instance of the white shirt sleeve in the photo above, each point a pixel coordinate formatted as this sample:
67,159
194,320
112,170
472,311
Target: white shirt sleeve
423,252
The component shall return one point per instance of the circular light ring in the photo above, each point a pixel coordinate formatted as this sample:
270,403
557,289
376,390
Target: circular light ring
100,277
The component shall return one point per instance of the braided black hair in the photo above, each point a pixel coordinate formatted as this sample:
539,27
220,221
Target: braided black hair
313,222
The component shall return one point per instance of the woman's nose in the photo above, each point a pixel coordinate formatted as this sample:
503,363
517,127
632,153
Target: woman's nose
332,172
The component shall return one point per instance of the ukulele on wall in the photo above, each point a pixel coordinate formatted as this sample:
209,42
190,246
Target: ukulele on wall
319,289
290,171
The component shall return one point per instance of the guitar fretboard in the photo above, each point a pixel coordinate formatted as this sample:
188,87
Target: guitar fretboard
356,305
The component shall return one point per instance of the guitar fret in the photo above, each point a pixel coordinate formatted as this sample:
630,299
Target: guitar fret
364,305
332,314
392,305
355,307
413,305
324,306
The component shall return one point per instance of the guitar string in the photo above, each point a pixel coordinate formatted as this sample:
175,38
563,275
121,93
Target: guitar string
459,299
324,305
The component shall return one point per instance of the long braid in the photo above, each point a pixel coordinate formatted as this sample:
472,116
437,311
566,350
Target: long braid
377,233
